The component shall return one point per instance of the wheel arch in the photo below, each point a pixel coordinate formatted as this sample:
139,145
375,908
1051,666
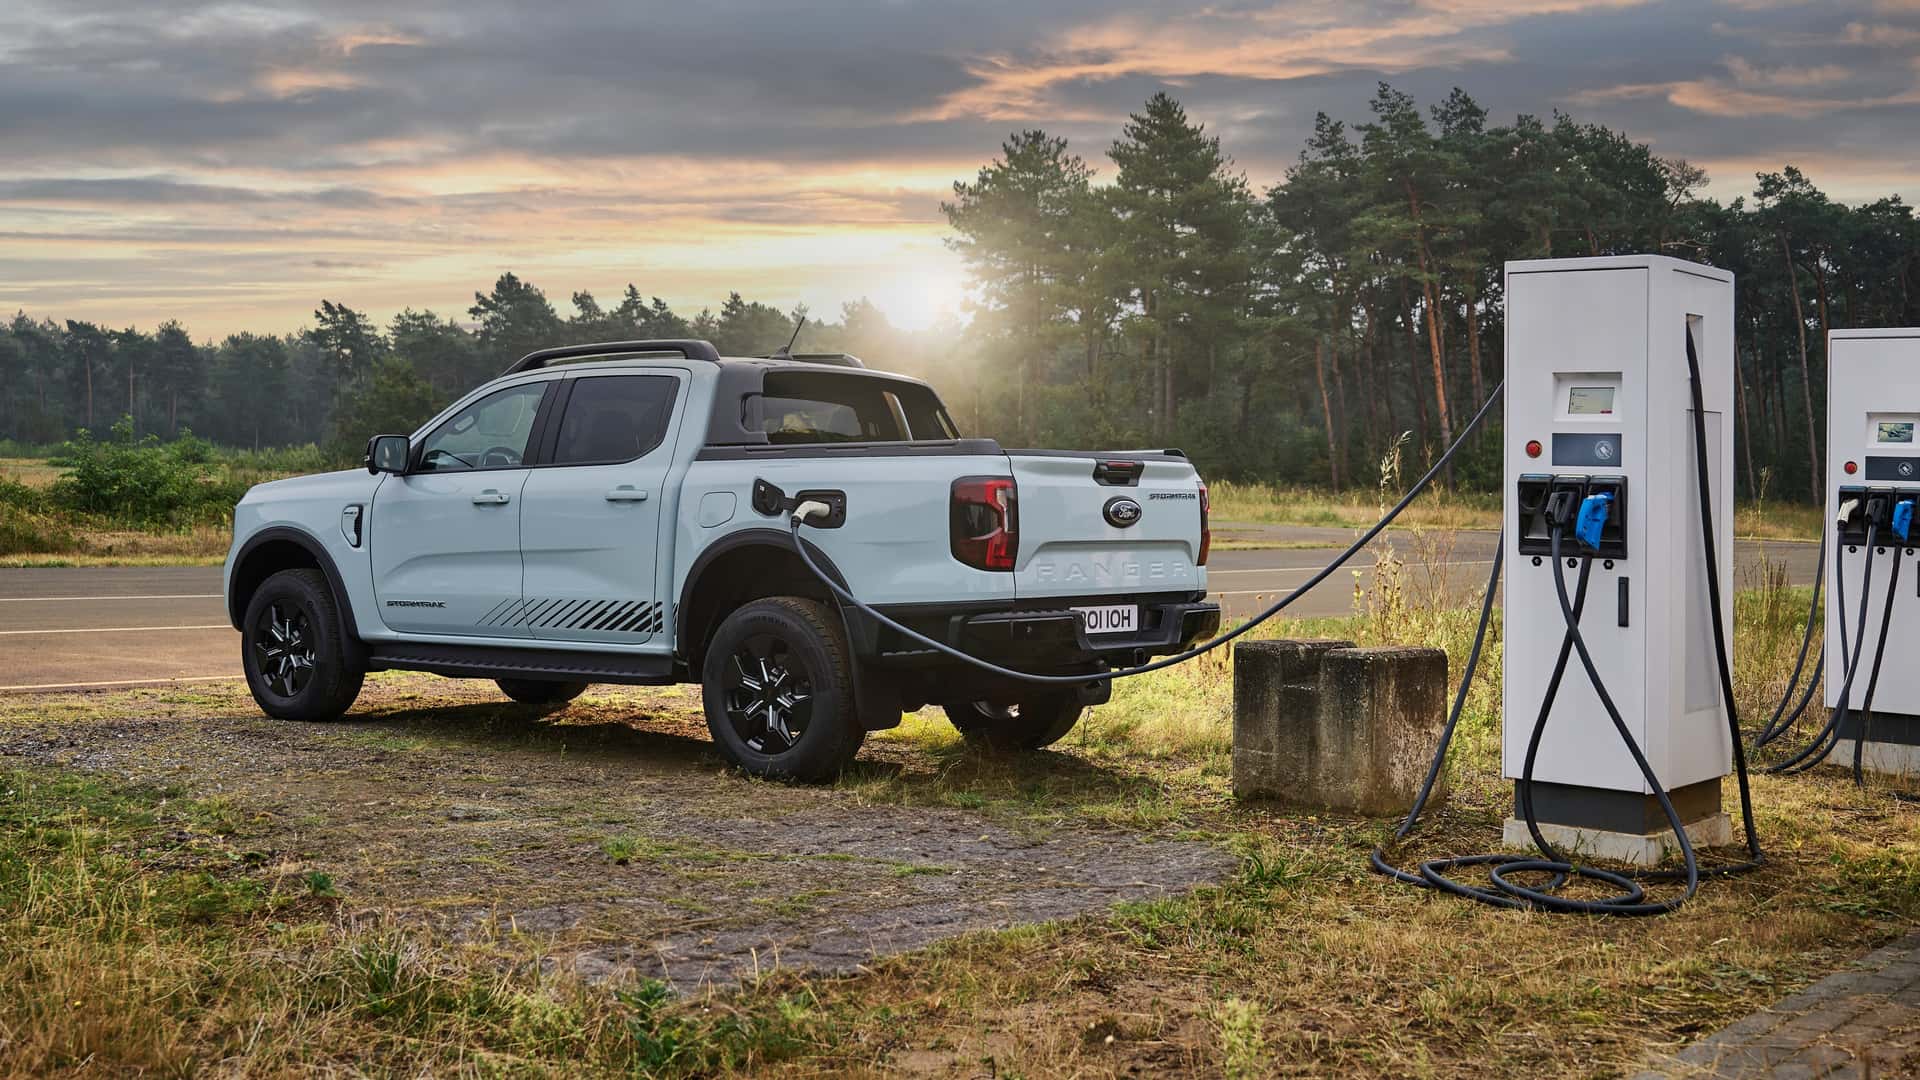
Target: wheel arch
286,547
738,568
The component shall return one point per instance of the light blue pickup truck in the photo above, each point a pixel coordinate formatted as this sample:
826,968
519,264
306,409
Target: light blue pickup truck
599,514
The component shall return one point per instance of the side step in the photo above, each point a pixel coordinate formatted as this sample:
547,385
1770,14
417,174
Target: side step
502,662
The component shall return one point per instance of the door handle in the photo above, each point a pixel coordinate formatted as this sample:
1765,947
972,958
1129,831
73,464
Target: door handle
626,493
492,497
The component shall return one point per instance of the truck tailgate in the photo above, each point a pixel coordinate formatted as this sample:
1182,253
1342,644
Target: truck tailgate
1075,536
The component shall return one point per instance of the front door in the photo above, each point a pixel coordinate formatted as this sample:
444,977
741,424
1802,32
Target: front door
590,519
445,538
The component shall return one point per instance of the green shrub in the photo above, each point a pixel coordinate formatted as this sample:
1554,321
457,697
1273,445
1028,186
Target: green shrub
25,525
144,481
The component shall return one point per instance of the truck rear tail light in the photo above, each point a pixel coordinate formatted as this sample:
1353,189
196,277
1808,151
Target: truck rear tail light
1206,524
984,522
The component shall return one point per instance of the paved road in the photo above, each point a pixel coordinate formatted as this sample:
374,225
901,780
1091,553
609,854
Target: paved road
129,625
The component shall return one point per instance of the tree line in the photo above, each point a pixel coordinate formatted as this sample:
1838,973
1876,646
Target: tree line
346,377
1295,333
1292,333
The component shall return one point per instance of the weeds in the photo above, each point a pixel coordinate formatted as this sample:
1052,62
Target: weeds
1243,1046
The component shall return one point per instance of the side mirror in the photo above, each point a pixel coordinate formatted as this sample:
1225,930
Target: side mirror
387,453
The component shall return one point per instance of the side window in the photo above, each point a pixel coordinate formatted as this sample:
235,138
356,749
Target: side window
614,418
491,433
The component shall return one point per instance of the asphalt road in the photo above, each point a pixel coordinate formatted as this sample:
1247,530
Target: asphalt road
77,628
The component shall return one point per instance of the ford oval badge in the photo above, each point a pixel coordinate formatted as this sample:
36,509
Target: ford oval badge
1121,512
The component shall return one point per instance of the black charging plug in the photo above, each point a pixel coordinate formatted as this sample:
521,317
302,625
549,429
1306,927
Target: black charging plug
1879,508
1561,507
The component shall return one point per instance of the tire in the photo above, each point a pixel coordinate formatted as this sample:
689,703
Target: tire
540,691
298,665
778,687
1029,724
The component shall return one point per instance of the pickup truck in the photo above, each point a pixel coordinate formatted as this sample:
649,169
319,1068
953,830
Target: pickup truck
591,516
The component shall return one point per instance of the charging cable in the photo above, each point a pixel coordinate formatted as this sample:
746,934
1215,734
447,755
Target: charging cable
1823,741
1902,519
1782,721
804,512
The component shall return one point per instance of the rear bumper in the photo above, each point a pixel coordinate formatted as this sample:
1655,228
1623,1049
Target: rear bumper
1041,636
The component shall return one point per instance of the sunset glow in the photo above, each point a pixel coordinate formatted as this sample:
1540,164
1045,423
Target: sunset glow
232,165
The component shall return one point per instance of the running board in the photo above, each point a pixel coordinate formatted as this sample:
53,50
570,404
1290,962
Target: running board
503,662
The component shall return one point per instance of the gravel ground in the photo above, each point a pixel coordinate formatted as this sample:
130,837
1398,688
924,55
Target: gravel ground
609,829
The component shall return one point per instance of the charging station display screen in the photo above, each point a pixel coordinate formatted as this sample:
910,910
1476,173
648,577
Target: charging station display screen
1590,401
1895,431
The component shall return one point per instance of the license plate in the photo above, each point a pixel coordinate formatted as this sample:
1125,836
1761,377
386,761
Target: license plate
1110,619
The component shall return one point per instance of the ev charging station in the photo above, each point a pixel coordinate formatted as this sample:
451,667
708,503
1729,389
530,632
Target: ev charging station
1599,416
1873,471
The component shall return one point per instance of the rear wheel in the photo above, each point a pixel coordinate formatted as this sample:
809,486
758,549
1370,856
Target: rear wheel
297,663
778,689
540,691
1029,724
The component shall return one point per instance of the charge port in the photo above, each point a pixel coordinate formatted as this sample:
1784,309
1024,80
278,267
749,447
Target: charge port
1531,510
1536,536
1852,529
1613,535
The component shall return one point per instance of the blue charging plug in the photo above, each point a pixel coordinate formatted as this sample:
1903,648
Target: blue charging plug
1593,518
1903,518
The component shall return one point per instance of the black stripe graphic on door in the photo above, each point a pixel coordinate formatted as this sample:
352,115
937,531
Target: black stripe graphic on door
605,616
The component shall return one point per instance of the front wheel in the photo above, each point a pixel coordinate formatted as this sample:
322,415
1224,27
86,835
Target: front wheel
1029,724
778,687
297,663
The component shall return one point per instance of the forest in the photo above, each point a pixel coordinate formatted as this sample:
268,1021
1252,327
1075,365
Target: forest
1292,332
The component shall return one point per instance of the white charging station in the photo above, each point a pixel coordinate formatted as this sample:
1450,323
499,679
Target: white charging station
1599,400
1873,464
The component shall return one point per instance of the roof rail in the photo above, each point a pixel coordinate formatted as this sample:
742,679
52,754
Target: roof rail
834,359
691,348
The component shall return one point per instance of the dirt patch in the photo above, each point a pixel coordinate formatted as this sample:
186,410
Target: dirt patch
608,830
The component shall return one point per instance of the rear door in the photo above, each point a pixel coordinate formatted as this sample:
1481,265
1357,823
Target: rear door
1092,525
444,539
590,515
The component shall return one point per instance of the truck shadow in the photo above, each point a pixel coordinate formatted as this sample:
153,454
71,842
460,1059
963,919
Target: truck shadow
956,774
643,737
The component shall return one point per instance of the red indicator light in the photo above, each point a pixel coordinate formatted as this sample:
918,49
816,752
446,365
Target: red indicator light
1851,467
1533,448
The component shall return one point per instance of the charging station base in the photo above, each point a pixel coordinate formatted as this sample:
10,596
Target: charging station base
1599,823
1892,749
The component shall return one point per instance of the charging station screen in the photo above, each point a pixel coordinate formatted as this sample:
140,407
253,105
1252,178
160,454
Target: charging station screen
1590,401
1896,431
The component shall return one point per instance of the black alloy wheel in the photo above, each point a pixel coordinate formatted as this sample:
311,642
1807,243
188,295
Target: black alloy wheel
769,695
282,643
777,682
299,663
1040,719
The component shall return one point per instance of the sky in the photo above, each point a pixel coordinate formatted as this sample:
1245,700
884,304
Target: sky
232,164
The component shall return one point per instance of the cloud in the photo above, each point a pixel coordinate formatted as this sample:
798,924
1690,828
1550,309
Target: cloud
233,162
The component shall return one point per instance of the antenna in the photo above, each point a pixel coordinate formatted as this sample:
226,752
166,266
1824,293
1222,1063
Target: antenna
785,352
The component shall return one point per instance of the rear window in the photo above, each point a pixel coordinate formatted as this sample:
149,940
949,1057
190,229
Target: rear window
824,407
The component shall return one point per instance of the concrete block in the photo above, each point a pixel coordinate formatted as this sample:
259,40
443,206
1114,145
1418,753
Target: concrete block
1326,725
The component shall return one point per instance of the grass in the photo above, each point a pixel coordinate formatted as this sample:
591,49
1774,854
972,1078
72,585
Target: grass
146,932
1357,508
140,940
